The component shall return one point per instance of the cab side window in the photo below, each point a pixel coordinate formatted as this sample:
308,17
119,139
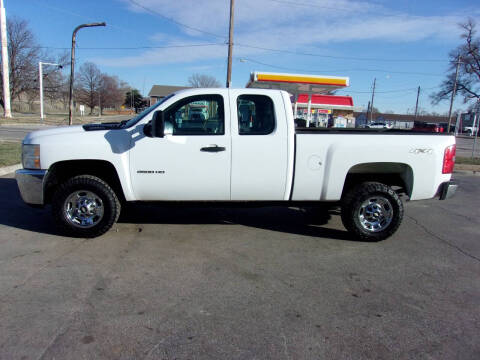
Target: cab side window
256,115
197,115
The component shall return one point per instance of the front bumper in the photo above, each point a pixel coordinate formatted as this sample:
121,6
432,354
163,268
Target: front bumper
30,184
447,190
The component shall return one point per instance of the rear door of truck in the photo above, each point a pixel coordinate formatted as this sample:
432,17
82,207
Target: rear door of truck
260,147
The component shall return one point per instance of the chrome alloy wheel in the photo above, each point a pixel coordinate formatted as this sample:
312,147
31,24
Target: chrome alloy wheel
83,209
375,214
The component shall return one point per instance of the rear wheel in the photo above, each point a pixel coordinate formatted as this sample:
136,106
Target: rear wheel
85,206
372,211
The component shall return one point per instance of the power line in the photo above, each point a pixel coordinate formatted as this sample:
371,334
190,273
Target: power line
343,70
154,12
408,90
134,47
337,57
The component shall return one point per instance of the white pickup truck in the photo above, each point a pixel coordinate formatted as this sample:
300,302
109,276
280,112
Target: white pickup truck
231,145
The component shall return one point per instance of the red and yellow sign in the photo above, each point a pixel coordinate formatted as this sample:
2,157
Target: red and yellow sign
302,79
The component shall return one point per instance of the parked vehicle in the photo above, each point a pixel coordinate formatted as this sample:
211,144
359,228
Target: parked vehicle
470,130
378,125
87,172
428,127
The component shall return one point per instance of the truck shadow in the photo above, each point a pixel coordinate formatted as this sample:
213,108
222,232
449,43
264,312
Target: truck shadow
299,221
15,213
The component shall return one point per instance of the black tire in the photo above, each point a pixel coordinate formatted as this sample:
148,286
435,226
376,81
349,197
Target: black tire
110,206
352,210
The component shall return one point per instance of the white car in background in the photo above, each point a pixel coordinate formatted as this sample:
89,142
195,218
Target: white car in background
378,125
470,130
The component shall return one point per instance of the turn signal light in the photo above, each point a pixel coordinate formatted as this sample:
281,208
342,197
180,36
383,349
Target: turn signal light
31,156
449,159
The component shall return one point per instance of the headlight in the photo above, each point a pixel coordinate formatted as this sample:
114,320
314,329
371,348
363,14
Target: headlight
31,156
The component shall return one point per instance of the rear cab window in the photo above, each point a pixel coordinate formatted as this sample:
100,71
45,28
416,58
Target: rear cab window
256,115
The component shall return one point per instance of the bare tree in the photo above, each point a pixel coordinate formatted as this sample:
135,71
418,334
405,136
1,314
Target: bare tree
468,84
23,53
204,81
88,84
111,92
54,79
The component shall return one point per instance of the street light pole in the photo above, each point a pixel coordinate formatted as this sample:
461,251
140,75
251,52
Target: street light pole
40,84
72,66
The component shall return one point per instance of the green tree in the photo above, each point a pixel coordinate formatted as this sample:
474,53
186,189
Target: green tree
134,100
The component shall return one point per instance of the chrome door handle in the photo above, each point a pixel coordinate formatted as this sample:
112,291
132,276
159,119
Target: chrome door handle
212,148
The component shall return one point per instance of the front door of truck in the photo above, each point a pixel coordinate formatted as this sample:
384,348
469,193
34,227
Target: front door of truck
192,163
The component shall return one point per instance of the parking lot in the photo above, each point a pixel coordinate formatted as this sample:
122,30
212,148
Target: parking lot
250,283
465,146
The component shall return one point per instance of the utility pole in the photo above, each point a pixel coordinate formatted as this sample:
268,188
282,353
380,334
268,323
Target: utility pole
5,64
368,113
373,97
453,93
72,66
230,45
416,106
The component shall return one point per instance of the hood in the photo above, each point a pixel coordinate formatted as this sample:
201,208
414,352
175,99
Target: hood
34,135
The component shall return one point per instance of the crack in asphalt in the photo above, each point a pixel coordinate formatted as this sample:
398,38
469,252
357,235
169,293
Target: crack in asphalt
455,213
459,249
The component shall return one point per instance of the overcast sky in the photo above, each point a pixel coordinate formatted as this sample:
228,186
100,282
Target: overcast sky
403,43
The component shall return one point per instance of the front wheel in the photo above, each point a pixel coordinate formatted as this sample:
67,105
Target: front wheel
85,206
372,211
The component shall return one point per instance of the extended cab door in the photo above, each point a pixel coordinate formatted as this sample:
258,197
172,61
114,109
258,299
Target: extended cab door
260,145
193,163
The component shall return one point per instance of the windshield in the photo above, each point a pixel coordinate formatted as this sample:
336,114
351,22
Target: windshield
145,112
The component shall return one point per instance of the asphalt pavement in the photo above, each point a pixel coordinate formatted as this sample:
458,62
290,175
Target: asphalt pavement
224,283
16,132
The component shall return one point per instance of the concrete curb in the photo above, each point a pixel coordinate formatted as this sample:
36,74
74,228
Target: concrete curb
468,172
9,169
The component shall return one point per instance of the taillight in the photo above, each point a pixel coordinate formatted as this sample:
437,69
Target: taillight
449,159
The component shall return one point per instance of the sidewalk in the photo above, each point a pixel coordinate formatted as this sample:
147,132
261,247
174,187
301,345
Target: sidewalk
467,168
58,119
9,169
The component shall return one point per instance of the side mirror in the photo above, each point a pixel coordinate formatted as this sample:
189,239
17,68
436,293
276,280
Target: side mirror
158,124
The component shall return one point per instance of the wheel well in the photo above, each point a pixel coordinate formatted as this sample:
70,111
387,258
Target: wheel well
64,170
391,174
